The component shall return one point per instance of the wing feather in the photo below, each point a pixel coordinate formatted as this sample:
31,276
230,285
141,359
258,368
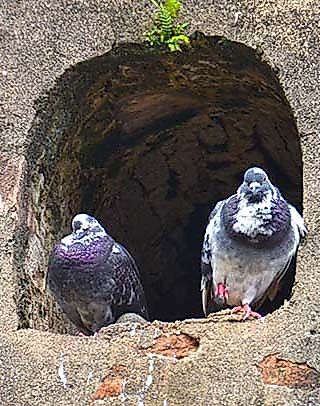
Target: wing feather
128,291
297,223
207,259
300,231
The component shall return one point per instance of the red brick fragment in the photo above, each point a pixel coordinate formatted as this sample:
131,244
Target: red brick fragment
112,384
276,371
174,345
109,387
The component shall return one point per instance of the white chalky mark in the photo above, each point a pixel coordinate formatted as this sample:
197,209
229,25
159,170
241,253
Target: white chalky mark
165,402
122,397
156,333
151,365
149,379
90,375
236,16
62,373
133,331
147,384
2,205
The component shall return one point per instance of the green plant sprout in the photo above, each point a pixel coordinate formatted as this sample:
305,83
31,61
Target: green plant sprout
164,31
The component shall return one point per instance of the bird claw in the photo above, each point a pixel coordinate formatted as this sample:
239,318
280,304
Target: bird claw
222,292
248,312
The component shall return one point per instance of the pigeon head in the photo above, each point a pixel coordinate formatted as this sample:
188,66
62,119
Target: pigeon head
83,224
85,229
257,212
256,186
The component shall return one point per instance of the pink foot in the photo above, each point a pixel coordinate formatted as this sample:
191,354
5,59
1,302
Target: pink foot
248,312
221,292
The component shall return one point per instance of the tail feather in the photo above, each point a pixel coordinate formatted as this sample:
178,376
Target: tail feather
206,288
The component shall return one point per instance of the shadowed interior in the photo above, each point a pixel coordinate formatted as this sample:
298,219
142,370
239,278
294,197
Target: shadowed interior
148,143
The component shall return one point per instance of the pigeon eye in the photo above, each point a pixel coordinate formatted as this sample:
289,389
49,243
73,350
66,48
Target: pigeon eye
77,225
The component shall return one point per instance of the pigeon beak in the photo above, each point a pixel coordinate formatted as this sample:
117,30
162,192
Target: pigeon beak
255,194
80,232
254,187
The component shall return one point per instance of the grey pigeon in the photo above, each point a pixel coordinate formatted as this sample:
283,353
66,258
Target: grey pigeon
93,278
250,240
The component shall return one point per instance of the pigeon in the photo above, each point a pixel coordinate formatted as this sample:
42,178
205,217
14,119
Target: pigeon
93,278
249,243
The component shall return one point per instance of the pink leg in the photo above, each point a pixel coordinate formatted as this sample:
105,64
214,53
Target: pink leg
221,292
248,312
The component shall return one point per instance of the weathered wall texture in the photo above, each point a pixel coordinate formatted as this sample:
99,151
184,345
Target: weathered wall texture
149,155
210,362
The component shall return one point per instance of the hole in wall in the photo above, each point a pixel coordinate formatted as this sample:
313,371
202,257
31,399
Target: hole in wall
148,142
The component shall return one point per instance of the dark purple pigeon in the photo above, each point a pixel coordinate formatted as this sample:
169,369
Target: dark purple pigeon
250,241
93,278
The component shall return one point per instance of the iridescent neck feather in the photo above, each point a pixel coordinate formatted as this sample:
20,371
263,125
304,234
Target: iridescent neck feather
257,222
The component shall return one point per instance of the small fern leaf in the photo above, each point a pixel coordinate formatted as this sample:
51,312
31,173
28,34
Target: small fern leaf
164,21
174,47
173,7
181,38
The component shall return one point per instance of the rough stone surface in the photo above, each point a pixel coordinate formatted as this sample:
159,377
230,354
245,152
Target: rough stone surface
39,41
149,156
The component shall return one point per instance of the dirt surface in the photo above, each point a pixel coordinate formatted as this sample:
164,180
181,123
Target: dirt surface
38,42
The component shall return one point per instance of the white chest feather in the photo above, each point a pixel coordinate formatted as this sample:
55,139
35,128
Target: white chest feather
71,239
251,219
